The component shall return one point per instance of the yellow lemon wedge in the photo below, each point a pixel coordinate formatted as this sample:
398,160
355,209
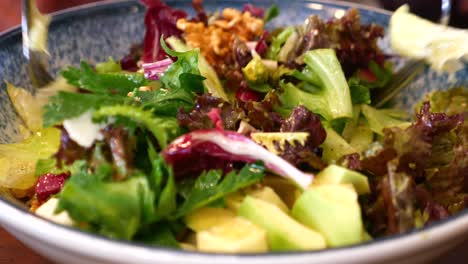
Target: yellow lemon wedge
443,47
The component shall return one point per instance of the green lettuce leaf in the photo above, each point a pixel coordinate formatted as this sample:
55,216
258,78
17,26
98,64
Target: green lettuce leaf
108,66
113,83
378,120
209,187
159,234
18,160
113,209
163,128
331,97
166,102
30,106
180,84
360,93
44,166
212,83
67,105
183,73
272,12
278,41
452,101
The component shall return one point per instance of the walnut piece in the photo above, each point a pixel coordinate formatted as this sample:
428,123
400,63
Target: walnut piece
216,40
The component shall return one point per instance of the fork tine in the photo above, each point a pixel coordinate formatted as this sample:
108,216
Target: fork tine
410,70
398,82
37,71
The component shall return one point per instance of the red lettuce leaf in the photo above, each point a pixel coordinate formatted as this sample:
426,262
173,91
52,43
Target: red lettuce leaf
122,148
303,120
423,167
351,161
399,200
355,43
129,62
69,151
200,118
308,155
242,53
261,114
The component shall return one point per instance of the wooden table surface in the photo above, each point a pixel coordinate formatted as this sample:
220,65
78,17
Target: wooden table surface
14,252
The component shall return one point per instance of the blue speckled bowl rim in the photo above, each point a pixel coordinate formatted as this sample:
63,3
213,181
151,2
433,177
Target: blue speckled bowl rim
14,34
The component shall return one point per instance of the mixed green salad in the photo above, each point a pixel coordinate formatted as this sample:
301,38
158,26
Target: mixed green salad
218,135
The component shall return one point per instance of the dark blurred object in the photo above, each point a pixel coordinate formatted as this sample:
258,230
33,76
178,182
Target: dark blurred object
430,9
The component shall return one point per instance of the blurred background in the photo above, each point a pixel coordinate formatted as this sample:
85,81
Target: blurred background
10,9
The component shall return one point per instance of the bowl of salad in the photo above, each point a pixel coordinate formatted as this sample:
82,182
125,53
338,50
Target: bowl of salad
235,132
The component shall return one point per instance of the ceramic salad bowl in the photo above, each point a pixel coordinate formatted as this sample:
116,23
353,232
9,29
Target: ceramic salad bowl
96,31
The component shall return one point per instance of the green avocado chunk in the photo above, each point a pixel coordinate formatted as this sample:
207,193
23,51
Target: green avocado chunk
283,232
334,174
333,210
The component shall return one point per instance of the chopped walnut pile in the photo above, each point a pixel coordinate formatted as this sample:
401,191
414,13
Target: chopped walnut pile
216,40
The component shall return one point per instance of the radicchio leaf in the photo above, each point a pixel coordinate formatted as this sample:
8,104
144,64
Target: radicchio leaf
247,95
254,10
228,146
160,20
262,47
201,13
154,70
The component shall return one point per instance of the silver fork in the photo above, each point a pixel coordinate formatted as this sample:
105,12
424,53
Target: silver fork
412,68
37,66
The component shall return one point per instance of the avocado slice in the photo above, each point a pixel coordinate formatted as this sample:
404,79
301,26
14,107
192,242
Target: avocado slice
207,217
334,174
268,195
333,210
283,232
334,147
236,235
264,193
286,189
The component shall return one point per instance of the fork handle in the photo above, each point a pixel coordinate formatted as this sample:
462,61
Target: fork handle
446,9
25,14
